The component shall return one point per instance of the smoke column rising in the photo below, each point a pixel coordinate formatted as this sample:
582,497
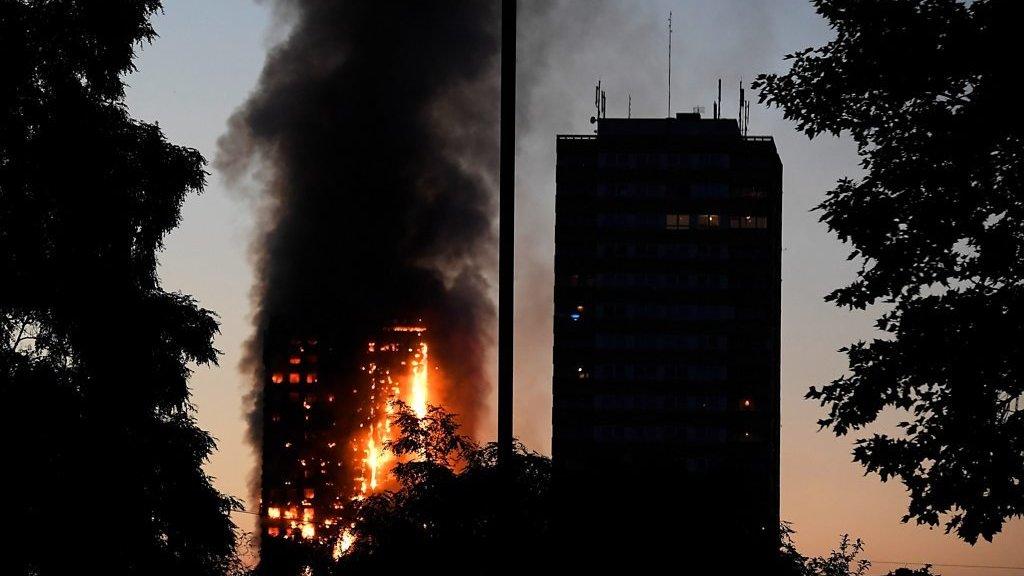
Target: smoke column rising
372,141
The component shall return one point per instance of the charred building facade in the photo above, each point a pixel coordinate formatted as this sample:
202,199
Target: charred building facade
666,339
302,491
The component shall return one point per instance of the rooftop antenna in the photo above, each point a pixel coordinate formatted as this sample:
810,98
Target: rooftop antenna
746,119
604,104
629,105
718,105
739,118
669,63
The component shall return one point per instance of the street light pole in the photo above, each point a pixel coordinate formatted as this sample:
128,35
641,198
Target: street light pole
506,230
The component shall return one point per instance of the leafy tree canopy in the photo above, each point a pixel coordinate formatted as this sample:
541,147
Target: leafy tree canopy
937,221
447,516
93,352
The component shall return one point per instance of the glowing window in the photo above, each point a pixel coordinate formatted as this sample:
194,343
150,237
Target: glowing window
291,513
708,221
677,222
295,360
294,378
273,531
308,531
752,222
308,493
277,378
307,514
273,512
311,378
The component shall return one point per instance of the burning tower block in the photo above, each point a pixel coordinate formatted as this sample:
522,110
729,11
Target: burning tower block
327,427
396,368
303,495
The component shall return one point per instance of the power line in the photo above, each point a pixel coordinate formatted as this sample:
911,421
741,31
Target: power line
936,565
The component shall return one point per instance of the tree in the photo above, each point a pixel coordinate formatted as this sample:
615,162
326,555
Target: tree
937,222
843,561
444,518
105,462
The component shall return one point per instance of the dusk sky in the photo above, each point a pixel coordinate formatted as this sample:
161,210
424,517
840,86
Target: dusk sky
208,59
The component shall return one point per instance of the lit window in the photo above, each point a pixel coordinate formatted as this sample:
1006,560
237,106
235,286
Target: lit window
677,222
295,360
752,222
277,378
294,378
308,531
273,512
311,378
307,514
708,221
291,513
273,531
308,493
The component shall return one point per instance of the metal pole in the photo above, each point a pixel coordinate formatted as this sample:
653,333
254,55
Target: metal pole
506,229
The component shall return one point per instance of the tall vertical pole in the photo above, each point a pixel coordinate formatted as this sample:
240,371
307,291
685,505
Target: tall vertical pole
670,64
506,229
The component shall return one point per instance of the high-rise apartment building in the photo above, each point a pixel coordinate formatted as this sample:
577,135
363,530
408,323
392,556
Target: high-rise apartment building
666,340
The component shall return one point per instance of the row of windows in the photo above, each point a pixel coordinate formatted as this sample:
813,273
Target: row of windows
653,372
294,377
655,311
663,403
704,221
652,221
662,433
696,191
658,250
698,281
662,160
677,342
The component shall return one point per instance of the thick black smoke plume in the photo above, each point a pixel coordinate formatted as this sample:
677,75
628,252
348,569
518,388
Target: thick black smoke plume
372,138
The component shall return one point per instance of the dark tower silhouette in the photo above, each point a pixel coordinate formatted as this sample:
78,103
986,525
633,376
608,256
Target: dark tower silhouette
666,345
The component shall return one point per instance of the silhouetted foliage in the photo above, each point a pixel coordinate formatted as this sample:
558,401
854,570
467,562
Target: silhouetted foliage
843,561
938,223
104,467
444,518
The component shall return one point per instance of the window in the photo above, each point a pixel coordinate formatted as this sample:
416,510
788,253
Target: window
708,221
311,378
273,531
749,222
308,493
677,222
294,378
273,512
277,378
295,360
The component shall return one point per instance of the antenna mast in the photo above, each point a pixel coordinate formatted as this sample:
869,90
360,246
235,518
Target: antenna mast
670,64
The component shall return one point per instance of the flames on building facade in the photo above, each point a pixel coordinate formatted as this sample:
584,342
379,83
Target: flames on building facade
322,451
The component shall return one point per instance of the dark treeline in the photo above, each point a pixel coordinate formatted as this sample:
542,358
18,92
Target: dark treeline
103,457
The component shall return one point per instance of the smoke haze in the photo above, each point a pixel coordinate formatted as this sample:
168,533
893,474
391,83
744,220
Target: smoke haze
371,143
